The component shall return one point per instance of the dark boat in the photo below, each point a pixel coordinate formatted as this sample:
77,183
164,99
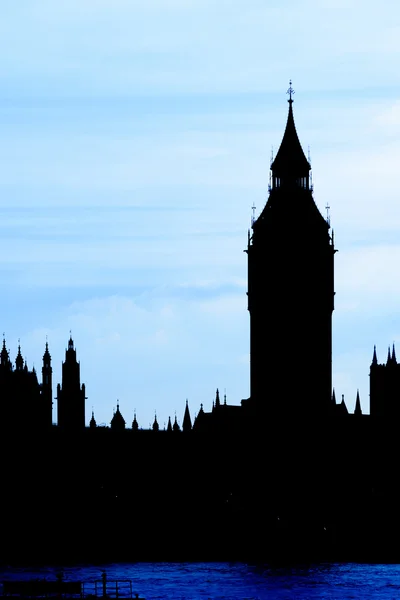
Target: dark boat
68,590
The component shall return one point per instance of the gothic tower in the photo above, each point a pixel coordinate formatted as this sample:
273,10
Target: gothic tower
71,396
290,291
47,389
385,386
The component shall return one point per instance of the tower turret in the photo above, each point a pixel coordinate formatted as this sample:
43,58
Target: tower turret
187,421
156,426
118,421
5,362
357,410
135,424
47,388
92,423
374,358
70,395
19,361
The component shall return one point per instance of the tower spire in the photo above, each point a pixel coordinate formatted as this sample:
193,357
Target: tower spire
290,165
374,358
175,426
92,423
19,361
357,410
290,92
135,424
187,421
155,426
389,358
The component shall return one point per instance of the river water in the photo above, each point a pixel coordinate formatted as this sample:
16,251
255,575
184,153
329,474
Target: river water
233,581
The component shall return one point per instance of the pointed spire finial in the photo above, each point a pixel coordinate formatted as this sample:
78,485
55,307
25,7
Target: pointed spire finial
290,92
394,360
253,217
374,358
328,218
389,358
357,410
187,421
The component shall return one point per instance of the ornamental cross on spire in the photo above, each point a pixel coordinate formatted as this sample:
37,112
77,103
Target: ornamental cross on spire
253,218
328,219
290,92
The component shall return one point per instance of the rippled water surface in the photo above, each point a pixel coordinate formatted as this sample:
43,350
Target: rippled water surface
227,581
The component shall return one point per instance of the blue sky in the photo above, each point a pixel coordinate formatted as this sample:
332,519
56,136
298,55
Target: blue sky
135,136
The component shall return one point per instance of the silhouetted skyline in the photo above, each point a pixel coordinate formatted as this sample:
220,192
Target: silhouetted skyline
134,143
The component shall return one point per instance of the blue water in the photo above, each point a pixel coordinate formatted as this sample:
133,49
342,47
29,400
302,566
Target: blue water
225,581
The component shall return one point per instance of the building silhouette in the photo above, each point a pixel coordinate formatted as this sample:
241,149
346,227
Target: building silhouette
385,386
70,394
26,404
252,480
290,290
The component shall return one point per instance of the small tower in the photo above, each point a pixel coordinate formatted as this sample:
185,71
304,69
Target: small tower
376,388
187,421
118,421
169,426
70,395
135,424
384,386
156,426
357,410
5,362
217,400
343,408
389,358
47,388
176,427
19,361
92,424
